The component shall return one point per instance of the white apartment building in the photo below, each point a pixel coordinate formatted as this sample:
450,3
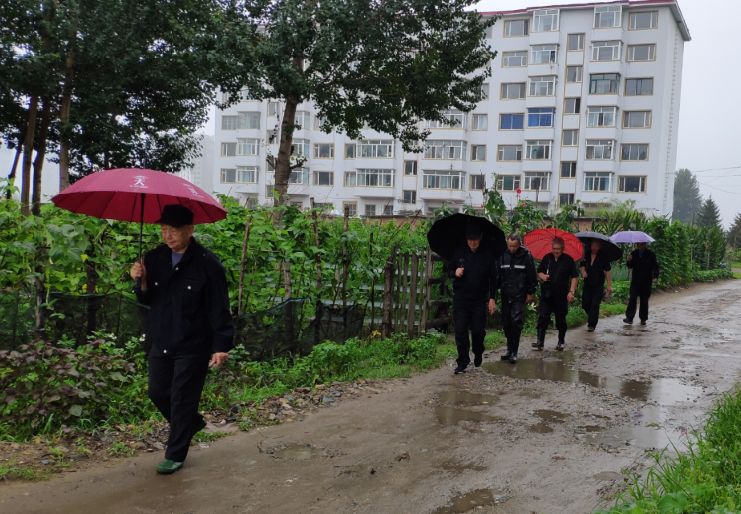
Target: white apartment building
582,105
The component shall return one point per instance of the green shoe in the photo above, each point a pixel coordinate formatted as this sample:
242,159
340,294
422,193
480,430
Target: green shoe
168,467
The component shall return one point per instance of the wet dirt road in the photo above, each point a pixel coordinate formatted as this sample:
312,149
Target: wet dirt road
551,434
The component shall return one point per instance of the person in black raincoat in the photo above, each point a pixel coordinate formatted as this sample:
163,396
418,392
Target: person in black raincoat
474,286
595,268
189,326
516,281
559,278
645,272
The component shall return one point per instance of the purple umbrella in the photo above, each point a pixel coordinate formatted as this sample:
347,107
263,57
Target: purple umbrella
631,236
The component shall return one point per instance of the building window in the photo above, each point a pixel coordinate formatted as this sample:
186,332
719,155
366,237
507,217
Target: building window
318,122
639,87
370,148
369,178
323,150
300,148
513,90
478,152
601,116
388,210
273,109
634,152
410,167
638,53
574,73
303,120
509,153
442,179
539,149
514,59
477,183
323,178
229,122
636,119
248,146
568,169
566,199
537,181
570,137
298,176
606,50
445,149
249,120
632,184
600,149
540,116
247,174
370,209
543,85
453,119
597,181
643,20
575,42
607,17
508,182
545,20
351,208
484,92
409,196
480,121
572,105
543,54
228,149
228,175
516,28
604,83
511,121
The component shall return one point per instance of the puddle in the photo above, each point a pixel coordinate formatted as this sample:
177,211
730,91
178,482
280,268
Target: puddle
447,415
466,398
296,452
607,476
472,500
457,467
590,429
540,428
547,417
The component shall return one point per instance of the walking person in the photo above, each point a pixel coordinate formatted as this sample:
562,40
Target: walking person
595,269
516,280
645,271
474,286
189,326
559,278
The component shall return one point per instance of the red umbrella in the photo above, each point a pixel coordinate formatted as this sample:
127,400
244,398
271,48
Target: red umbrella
138,195
539,243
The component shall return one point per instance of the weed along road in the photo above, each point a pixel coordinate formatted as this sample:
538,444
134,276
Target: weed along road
554,433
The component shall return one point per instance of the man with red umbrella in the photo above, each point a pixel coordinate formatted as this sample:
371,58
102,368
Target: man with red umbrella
559,278
189,326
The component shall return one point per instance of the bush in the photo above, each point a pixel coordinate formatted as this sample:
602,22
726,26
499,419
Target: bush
712,275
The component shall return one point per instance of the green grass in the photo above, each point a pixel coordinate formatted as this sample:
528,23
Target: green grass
15,472
704,478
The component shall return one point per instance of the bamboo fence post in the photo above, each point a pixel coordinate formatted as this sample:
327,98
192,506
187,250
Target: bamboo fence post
412,314
428,288
388,295
242,262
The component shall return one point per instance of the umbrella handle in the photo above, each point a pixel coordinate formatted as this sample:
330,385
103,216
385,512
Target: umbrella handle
138,281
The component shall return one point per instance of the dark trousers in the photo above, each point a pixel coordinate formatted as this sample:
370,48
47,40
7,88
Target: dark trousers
175,386
469,317
513,319
558,307
642,293
591,298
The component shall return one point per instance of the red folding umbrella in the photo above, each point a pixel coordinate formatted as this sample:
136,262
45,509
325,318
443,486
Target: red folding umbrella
539,243
137,195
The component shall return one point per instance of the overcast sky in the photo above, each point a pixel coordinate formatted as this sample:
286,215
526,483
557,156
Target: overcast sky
710,115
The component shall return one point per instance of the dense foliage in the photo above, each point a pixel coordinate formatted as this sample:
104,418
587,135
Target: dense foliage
687,197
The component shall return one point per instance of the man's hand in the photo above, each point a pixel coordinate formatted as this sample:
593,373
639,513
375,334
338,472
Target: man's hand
630,257
139,272
544,277
529,298
459,272
570,297
492,306
608,291
217,359
584,273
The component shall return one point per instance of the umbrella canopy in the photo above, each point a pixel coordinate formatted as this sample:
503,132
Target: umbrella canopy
539,243
631,236
449,234
609,249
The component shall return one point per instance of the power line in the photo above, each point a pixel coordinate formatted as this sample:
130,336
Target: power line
714,169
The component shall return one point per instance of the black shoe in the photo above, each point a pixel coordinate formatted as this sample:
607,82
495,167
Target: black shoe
643,322
628,321
559,346
505,357
538,345
590,329
512,359
459,369
477,360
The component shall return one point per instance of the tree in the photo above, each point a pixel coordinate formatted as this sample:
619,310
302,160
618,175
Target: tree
709,215
384,66
687,199
734,235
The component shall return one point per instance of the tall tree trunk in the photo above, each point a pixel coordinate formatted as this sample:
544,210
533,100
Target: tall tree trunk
33,109
64,114
13,169
38,163
283,162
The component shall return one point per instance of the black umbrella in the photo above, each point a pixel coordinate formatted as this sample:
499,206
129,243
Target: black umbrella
609,249
449,234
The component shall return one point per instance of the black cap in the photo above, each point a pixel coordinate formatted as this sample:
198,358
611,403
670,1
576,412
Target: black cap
176,215
473,231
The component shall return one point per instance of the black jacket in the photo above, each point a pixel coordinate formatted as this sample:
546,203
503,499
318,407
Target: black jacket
189,305
595,270
478,282
561,273
645,268
516,276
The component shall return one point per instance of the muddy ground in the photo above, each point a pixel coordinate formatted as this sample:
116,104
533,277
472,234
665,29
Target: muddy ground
555,433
